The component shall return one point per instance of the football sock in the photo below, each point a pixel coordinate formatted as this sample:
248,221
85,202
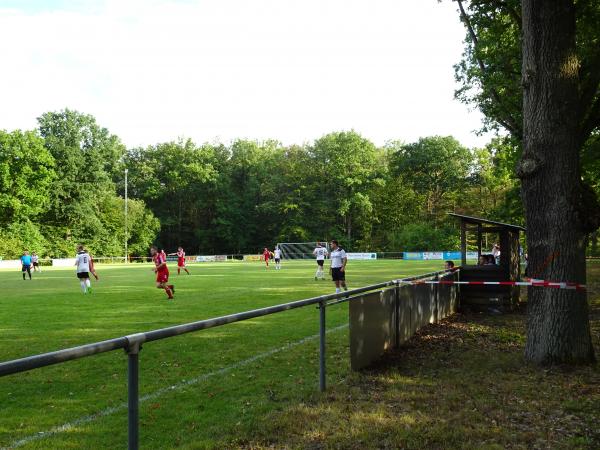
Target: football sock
178,271
337,290
83,287
171,288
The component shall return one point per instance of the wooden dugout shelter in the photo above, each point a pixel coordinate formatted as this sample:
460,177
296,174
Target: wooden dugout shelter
509,268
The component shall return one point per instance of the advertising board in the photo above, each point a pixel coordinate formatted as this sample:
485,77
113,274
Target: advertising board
361,255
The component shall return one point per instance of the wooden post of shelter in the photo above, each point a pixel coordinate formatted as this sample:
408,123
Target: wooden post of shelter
463,243
479,234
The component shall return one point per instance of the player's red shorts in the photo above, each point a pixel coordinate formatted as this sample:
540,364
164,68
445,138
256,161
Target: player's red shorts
162,276
180,262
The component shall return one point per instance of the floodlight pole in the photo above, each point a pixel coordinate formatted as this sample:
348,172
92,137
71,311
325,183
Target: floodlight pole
126,258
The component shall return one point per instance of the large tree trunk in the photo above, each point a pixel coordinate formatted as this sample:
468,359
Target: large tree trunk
558,329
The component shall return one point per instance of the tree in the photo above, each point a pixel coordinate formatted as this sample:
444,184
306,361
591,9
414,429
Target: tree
395,202
82,202
555,69
556,201
435,167
142,227
19,236
87,155
418,236
172,179
345,164
26,176
495,189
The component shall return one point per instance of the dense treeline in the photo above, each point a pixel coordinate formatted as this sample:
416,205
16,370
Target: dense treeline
64,183
234,199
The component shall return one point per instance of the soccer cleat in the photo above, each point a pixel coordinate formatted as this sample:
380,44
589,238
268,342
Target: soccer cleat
89,290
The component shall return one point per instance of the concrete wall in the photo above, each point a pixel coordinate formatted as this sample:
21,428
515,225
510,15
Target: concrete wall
10,264
385,319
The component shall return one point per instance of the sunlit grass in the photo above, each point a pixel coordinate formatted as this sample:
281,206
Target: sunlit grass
459,384
50,312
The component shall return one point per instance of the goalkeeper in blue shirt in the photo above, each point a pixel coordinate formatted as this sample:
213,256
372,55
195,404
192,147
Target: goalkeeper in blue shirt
26,264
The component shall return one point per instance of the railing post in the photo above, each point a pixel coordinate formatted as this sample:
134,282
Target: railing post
436,298
322,325
134,345
397,314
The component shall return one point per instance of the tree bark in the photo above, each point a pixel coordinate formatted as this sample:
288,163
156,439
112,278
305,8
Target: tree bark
558,329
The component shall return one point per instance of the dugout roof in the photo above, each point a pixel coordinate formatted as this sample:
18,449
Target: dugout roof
481,221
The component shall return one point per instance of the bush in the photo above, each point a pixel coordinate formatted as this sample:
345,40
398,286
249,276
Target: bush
423,237
20,236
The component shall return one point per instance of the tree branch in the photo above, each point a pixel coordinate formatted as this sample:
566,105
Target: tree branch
503,6
514,15
507,121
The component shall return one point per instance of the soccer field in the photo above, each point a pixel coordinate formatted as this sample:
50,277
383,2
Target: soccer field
202,389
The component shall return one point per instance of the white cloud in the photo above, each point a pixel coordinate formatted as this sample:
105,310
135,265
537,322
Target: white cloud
151,71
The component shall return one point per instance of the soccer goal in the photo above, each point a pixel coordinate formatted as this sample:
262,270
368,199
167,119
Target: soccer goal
299,250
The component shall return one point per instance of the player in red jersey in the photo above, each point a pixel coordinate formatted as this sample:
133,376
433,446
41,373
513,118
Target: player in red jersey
180,260
162,271
266,256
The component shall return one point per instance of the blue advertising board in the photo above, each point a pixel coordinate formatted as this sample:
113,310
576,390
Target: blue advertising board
425,256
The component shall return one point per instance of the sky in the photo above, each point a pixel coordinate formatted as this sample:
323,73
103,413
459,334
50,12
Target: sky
155,70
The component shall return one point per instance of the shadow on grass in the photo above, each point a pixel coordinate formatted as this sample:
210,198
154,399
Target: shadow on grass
462,383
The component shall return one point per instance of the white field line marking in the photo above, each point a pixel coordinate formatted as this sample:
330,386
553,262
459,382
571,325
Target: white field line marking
153,395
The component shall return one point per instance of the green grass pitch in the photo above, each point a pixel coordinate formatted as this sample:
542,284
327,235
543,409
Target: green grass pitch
205,389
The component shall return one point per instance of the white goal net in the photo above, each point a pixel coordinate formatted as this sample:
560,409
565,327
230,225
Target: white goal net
299,250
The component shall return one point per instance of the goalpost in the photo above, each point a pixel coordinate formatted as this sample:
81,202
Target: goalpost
299,250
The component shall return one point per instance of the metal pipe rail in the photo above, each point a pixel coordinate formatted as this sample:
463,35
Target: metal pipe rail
132,344
393,282
70,354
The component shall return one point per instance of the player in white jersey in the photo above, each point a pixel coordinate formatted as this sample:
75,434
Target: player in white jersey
338,266
85,266
321,253
35,262
277,256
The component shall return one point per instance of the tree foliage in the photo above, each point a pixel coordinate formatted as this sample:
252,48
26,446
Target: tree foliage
26,176
57,189
214,198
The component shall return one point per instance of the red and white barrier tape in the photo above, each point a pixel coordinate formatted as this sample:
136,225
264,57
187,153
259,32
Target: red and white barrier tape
531,282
